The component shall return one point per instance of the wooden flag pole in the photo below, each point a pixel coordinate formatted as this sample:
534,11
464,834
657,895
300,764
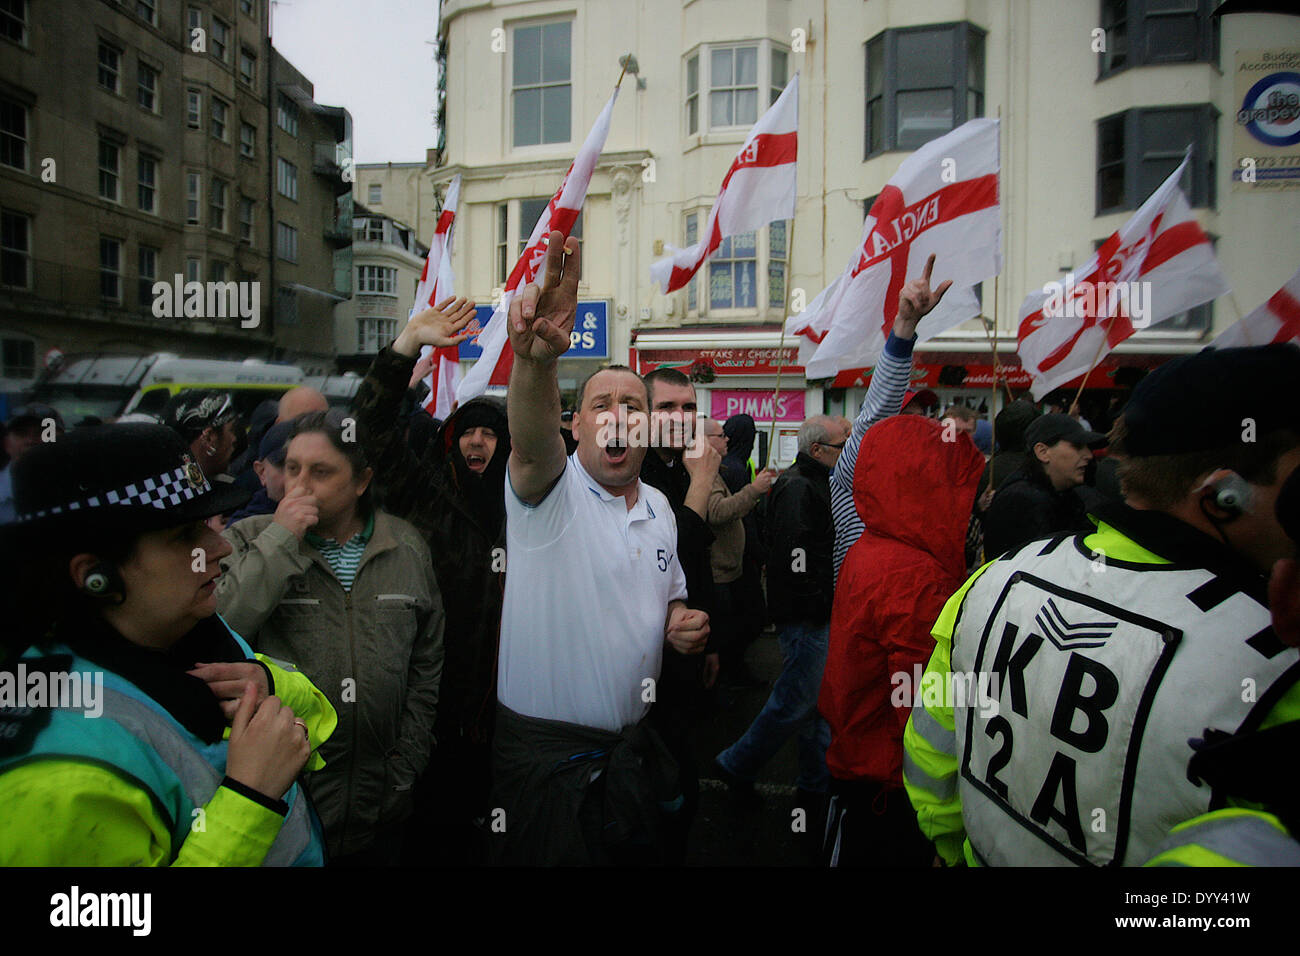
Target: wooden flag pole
780,349
1095,359
1245,332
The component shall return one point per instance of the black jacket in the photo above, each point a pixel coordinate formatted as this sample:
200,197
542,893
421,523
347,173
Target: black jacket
462,517
693,534
800,583
1027,507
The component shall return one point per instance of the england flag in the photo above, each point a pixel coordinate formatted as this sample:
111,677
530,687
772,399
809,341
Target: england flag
943,201
1158,264
759,188
560,214
437,283
1277,320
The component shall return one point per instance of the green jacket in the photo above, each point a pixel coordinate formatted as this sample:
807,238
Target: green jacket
78,812
375,651
931,752
1232,837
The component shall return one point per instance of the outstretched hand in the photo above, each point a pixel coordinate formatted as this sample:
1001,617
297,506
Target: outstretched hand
915,301
541,318
439,327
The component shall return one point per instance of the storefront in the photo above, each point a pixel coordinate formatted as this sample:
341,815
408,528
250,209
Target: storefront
735,371
968,376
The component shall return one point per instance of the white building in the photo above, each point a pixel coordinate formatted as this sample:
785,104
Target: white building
387,260
1086,136
401,191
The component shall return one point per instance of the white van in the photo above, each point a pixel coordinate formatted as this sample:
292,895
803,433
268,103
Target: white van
107,386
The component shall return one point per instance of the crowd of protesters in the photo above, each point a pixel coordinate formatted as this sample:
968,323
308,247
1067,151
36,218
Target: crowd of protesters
495,638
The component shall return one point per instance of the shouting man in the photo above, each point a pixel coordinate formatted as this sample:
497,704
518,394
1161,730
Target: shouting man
594,590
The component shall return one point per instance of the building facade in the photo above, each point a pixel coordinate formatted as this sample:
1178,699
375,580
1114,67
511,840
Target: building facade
1098,100
402,191
387,261
138,146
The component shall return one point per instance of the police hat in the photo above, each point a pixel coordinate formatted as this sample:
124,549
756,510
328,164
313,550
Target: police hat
140,474
1208,400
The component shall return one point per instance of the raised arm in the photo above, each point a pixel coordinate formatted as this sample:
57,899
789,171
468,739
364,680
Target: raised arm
539,324
890,377
379,399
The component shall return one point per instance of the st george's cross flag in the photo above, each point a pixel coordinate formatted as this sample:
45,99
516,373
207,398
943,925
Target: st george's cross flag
1158,264
493,368
943,201
437,283
759,188
1277,320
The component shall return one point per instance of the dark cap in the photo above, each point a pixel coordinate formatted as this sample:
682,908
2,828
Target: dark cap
275,443
1203,401
193,410
144,473
1049,429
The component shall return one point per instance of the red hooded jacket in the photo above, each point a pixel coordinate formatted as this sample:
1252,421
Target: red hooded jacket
914,492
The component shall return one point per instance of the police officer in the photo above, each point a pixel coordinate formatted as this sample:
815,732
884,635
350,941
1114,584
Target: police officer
1241,765
1100,655
137,729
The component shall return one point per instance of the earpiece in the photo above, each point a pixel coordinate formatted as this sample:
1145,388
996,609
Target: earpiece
102,581
1232,494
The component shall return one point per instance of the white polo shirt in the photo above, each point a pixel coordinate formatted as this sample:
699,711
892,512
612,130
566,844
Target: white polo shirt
588,584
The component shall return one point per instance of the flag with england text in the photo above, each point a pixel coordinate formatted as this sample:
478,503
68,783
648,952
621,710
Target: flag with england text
1159,264
759,188
493,368
1277,320
942,201
437,283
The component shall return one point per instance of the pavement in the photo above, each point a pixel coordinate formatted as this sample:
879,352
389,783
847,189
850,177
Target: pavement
725,834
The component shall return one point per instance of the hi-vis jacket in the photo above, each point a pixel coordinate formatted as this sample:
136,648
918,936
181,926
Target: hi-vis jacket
126,787
1106,653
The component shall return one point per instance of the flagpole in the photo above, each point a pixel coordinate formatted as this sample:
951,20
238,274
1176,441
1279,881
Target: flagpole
1095,359
780,349
1245,332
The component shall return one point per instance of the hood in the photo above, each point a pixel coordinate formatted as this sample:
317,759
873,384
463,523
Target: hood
1010,425
483,494
740,431
915,488
486,411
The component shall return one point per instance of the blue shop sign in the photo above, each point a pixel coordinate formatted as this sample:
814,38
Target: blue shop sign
589,338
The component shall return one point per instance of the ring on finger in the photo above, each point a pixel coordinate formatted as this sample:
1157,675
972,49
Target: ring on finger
305,732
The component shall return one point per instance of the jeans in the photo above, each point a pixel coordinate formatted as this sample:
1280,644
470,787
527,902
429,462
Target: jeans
792,707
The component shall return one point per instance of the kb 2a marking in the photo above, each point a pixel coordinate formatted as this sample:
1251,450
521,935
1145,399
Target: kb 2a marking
1072,678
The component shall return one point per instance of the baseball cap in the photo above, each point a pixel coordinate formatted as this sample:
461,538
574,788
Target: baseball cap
275,443
1202,401
139,471
1055,427
194,409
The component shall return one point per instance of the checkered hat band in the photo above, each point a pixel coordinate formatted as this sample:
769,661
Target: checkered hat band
167,490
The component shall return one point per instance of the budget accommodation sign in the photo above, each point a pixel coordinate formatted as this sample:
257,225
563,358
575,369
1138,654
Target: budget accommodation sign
1266,129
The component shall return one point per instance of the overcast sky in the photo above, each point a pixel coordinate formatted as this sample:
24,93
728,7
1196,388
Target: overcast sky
369,57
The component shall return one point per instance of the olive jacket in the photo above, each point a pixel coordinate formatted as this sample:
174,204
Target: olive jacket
375,651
